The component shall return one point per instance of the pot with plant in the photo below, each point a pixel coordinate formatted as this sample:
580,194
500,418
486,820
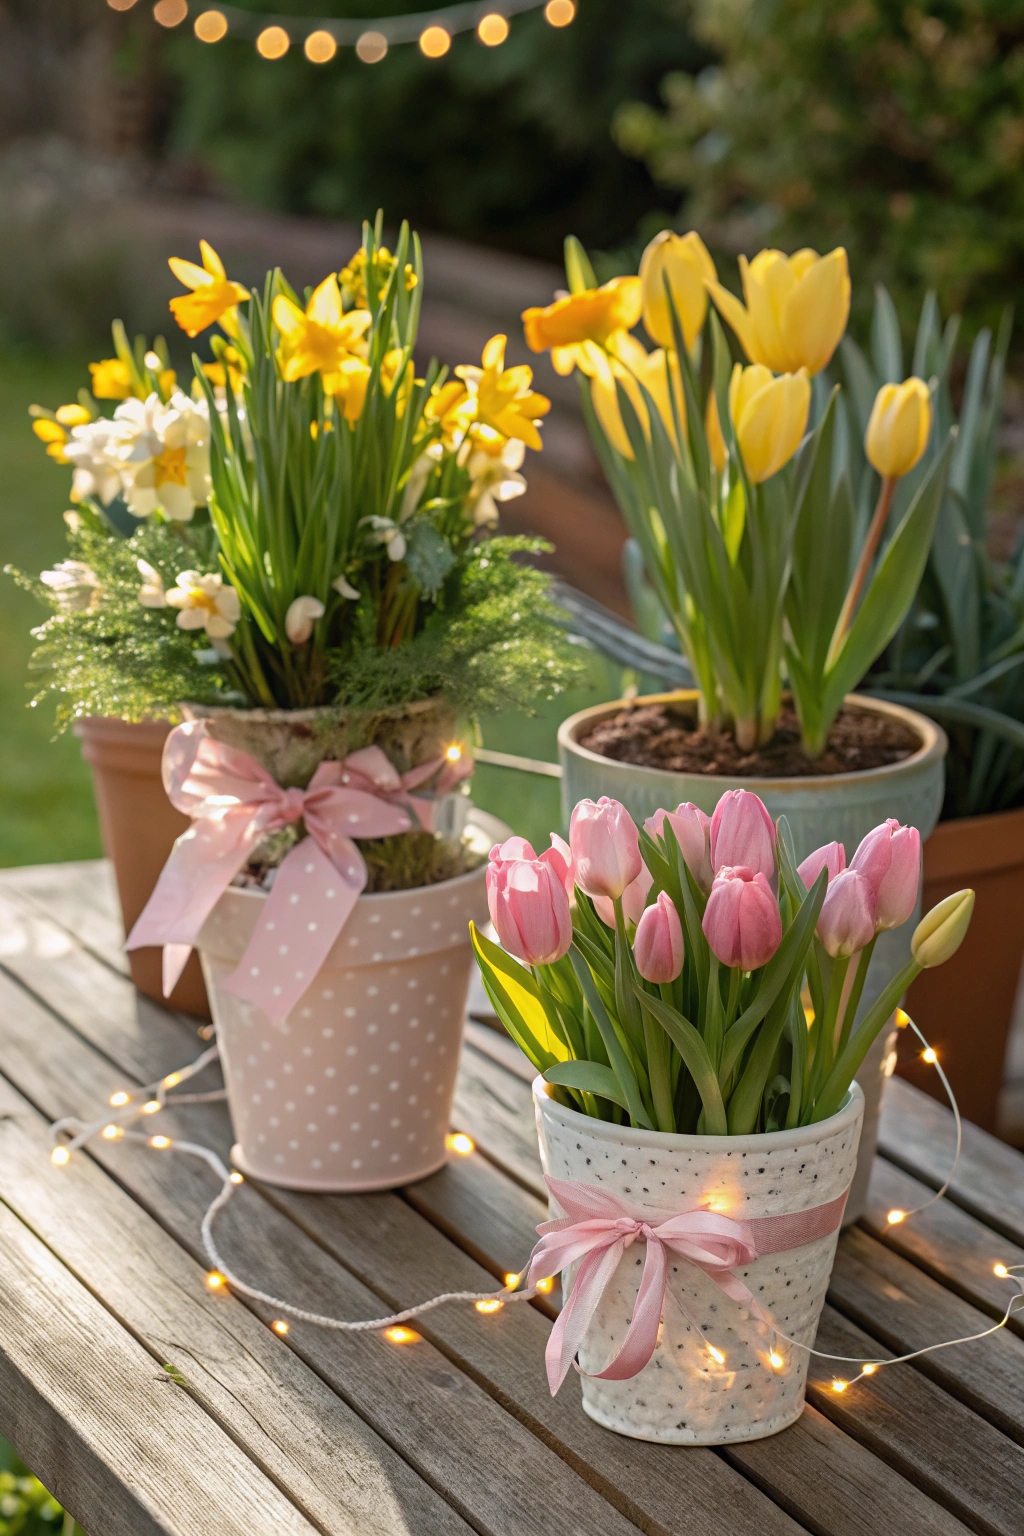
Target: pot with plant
687,994
733,480
324,629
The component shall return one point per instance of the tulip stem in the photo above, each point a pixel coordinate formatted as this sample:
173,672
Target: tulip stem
854,994
824,1053
836,1086
867,555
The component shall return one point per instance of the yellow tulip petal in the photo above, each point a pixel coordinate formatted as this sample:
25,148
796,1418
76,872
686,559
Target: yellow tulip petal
899,427
733,312
767,283
815,313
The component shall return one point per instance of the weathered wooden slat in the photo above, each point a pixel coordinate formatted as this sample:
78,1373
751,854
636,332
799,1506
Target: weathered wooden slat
498,1475
499,1046
932,1439
916,1133
106,1429
294,1427
81,897
496,1109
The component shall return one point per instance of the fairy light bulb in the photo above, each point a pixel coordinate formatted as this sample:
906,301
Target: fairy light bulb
280,1326
546,1286
117,1100
371,47
895,1217
400,1335
320,47
461,1144
492,30
776,1361
170,13
110,1132
211,26
716,1355
160,1142
869,1369
236,1178
1001,1271
489,1304
513,1280
434,42
559,13
273,43
454,752
120,5
151,1107
839,1386
60,1156
902,1018
215,1280
930,1056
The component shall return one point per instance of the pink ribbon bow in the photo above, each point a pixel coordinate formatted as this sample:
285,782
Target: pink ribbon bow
234,803
599,1227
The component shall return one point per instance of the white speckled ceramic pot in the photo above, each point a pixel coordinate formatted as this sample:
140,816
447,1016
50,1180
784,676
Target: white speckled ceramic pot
684,1396
355,1091
841,806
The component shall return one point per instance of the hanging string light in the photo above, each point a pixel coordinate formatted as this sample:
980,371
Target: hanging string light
322,37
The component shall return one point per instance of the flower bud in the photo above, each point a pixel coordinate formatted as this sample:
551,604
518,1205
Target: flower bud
692,828
890,858
941,931
301,616
796,310
634,900
741,922
846,923
743,834
899,426
605,847
831,857
658,942
530,911
683,262
717,450
769,417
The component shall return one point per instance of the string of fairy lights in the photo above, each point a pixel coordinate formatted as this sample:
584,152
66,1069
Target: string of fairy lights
70,1135
322,38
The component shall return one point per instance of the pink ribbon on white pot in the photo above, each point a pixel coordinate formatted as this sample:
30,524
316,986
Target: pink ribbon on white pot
599,1227
234,802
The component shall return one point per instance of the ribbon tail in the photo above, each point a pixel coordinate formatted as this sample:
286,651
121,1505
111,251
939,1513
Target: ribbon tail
642,1336
572,1322
175,959
308,906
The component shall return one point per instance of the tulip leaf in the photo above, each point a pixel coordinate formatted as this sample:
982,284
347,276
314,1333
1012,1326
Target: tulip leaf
688,1042
844,1068
587,1077
745,1099
579,273
519,1000
734,516
620,1063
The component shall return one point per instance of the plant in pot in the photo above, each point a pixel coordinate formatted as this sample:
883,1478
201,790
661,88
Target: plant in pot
687,994
751,542
349,613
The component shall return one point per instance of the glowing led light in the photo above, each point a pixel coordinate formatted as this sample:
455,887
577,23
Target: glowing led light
559,13
211,26
546,1286
398,1335
120,5
173,1078
215,1280
170,13
280,1326
511,1280
60,1156
895,1217
372,47
776,1361
435,42
1000,1270
839,1386
236,1178
160,1142
460,1143
273,43
489,1304
151,1107
929,1056
869,1370
716,1354
492,30
117,1099
902,1018
454,753
110,1132
320,47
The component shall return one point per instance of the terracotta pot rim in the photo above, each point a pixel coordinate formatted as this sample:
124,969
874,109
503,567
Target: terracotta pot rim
971,847
934,745
848,1114
113,725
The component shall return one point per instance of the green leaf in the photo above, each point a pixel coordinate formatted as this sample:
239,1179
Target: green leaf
688,1042
429,558
579,273
620,1064
734,516
588,1077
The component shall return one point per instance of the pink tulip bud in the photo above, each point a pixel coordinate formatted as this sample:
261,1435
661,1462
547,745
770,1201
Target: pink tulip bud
503,853
530,911
741,921
742,834
890,859
605,847
832,857
634,900
847,920
693,834
559,856
658,942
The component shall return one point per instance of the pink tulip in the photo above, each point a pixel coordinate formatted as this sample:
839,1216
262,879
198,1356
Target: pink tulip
890,859
605,847
559,856
847,920
741,921
634,900
530,911
742,834
832,857
658,942
517,848
692,829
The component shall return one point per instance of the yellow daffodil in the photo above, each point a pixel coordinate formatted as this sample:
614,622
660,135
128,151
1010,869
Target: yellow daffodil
683,262
322,338
769,416
897,434
111,379
595,315
353,276
213,297
228,368
348,386
796,311
632,368
713,433
503,399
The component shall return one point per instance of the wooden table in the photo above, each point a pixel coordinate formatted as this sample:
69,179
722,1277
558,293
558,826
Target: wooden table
103,1287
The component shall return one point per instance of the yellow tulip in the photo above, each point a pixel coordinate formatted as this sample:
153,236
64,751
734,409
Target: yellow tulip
111,379
769,417
796,311
941,931
632,368
213,295
321,338
713,432
591,316
901,421
683,262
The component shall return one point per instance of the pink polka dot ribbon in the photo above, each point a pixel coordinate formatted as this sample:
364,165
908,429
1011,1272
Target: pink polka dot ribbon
234,803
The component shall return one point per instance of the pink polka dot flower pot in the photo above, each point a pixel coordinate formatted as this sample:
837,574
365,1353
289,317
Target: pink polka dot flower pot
354,1090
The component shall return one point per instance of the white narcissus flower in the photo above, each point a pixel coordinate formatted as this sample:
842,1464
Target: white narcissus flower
154,593
205,603
384,530
92,450
74,584
164,455
301,616
494,477
346,589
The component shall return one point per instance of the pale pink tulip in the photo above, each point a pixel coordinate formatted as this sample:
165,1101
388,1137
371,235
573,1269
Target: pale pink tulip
559,856
692,828
741,921
658,942
847,919
742,834
516,848
832,857
530,911
890,859
605,847
634,900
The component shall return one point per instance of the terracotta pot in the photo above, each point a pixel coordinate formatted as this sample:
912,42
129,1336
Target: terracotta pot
139,826
965,1008
684,1395
820,808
